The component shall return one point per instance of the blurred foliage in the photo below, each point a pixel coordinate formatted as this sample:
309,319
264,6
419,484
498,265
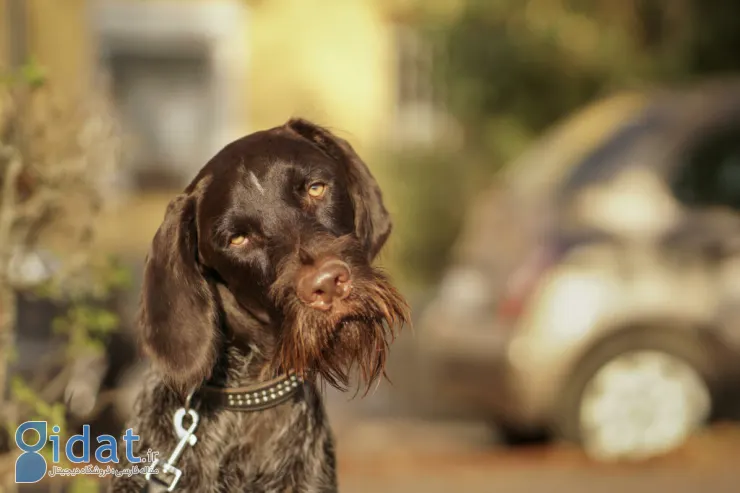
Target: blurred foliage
39,409
514,67
87,322
509,69
30,74
82,284
426,196
54,414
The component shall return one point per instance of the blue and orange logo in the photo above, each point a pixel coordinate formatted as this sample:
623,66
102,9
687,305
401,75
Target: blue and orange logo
31,466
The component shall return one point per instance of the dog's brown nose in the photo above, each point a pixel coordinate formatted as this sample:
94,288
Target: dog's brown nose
322,284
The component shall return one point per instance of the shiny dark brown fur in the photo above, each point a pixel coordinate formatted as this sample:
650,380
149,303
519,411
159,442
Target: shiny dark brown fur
230,316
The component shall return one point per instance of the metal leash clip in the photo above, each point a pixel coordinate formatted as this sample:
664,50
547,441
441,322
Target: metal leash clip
186,436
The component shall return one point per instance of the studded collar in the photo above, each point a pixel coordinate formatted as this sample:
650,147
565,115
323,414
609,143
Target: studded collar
254,397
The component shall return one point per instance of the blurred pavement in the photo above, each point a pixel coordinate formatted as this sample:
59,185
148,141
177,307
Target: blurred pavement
390,455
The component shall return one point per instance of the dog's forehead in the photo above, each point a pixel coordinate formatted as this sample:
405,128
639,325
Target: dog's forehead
268,155
260,165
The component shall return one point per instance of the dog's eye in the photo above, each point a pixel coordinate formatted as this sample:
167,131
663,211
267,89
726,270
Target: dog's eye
238,240
317,189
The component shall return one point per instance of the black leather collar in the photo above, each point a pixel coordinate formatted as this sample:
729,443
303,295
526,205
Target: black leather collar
256,397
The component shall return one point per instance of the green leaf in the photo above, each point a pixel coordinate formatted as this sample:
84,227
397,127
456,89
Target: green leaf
33,74
21,392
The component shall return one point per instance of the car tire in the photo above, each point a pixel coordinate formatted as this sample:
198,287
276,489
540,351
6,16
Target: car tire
669,372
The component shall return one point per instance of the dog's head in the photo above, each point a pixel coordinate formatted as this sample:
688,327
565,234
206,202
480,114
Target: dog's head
288,220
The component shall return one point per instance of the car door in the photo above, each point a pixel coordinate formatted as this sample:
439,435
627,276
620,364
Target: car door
705,180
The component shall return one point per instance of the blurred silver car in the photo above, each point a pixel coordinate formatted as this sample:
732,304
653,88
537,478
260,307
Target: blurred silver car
595,292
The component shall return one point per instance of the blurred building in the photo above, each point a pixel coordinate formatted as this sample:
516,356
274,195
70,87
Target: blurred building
53,33
357,66
190,76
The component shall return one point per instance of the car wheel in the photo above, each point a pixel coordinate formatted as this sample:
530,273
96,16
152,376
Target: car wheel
637,402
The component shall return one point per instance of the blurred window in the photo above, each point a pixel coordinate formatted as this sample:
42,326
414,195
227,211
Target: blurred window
416,98
414,68
177,70
542,169
710,175
166,105
537,177
608,158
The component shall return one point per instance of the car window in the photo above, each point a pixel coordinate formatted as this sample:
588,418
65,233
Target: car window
543,167
710,175
608,158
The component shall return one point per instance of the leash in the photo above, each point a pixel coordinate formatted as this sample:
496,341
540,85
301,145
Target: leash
251,398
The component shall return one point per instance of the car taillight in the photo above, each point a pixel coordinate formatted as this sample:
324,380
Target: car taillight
522,283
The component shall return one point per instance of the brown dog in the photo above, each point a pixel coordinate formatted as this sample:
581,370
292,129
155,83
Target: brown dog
259,281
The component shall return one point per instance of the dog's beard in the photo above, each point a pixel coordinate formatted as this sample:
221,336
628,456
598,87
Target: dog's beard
355,336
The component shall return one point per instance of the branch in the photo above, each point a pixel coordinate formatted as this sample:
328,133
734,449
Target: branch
8,203
38,205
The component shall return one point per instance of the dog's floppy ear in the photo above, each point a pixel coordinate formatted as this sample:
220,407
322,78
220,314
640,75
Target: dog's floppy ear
178,315
372,221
